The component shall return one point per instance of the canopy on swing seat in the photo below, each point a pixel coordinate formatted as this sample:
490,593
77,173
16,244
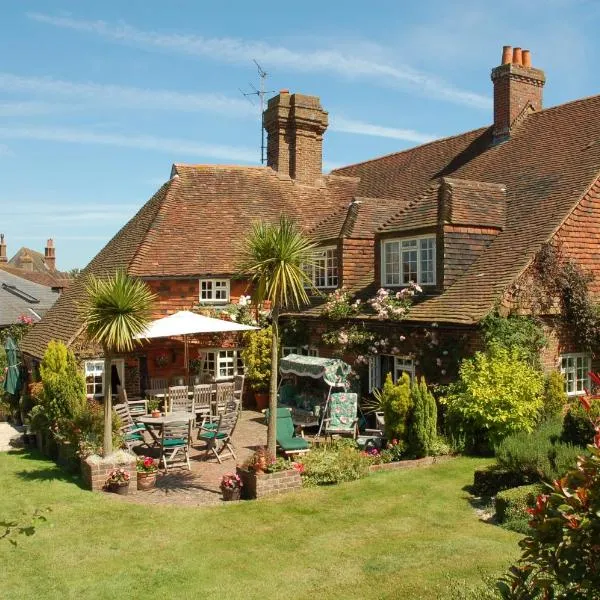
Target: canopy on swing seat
332,370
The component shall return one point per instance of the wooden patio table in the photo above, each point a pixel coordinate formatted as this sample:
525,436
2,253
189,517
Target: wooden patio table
154,425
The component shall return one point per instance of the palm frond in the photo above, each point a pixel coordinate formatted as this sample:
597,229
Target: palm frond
116,310
274,257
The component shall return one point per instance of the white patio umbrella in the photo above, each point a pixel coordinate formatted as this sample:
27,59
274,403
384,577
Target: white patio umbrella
184,323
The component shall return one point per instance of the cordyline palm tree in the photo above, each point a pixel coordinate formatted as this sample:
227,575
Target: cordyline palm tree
273,257
116,309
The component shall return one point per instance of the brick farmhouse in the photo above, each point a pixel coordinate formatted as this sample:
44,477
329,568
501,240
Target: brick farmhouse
464,217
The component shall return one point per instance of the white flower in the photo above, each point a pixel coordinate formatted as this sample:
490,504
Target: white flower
445,352
443,371
438,362
401,338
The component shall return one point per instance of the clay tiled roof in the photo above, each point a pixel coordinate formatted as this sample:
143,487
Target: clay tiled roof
422,212
193,226
546,166
49,279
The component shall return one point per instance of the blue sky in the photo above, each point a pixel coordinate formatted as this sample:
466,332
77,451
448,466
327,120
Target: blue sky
98,99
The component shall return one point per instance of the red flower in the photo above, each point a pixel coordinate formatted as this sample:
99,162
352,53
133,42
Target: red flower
585,402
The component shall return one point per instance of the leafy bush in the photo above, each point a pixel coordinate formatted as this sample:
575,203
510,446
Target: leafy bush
334,463
422,428
490,480
439,447
395,401
63,384
577,427
515,332
498,393
537,456
555,398
560,556
511,506
256,355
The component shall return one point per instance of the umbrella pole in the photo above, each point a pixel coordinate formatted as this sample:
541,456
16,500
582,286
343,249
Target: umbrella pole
185,356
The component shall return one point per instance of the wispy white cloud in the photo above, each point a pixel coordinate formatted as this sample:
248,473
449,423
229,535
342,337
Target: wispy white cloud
360,127
237,51
121,96
141,142
27,108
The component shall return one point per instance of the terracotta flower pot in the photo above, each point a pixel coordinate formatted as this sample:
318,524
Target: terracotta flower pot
262,400
230,494
146,481
155,414
119,488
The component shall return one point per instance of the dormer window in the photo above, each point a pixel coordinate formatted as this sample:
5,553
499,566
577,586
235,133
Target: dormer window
408,259
323,272
214,291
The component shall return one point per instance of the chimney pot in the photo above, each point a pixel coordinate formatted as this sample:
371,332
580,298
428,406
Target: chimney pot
506,55
284,91
527,59
517,58
50,255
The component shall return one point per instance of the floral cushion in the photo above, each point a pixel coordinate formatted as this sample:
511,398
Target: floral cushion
342,410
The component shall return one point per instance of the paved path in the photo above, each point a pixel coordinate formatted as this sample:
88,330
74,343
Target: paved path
10,437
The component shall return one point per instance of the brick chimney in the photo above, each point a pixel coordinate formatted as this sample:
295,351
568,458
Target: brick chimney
517,90
50,255
295,125
26,262
3,257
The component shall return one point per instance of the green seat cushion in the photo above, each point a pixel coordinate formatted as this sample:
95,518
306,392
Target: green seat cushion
295,443
130,437
137,427
174,442
210,425
210,435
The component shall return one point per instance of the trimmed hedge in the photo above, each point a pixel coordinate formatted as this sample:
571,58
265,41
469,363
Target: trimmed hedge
490,480
511,506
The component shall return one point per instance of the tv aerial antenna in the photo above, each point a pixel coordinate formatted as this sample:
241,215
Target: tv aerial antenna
260,93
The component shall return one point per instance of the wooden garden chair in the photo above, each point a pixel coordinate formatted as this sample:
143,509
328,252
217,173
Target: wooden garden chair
203,397
218,439
129,429
179,399
175,441
224,396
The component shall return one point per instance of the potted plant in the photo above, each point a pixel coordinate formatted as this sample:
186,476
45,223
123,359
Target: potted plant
146,473
153,407
260,461
256,355
118,481
231,486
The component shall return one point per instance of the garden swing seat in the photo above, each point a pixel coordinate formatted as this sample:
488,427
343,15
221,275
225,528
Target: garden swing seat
342,415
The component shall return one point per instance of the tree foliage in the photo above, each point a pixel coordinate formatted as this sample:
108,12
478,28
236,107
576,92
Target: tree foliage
498,393
395,401
116,310
256,355
274,257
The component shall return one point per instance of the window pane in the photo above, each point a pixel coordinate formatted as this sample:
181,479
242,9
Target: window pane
409,266
392,263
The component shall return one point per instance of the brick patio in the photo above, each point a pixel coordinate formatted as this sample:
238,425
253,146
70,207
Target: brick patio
201,485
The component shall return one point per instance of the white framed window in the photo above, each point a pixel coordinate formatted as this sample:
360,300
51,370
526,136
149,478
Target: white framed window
302,350
94,376
382,364
214,291
406,260
323,271
575,369
222,363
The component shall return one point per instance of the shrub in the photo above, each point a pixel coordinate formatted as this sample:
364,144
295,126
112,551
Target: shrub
334,463
511,506
537,456
422,428
515,332
395,401
490,480
256,355
560,555
555,398
63,384
577,427
498,393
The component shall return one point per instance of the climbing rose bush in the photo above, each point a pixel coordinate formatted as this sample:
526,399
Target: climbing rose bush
394,305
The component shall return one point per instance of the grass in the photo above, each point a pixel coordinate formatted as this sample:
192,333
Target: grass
407,534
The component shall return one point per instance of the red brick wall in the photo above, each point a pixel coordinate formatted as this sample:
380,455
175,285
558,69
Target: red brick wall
183,294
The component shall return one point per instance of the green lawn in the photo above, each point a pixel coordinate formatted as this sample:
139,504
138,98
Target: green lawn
392,535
